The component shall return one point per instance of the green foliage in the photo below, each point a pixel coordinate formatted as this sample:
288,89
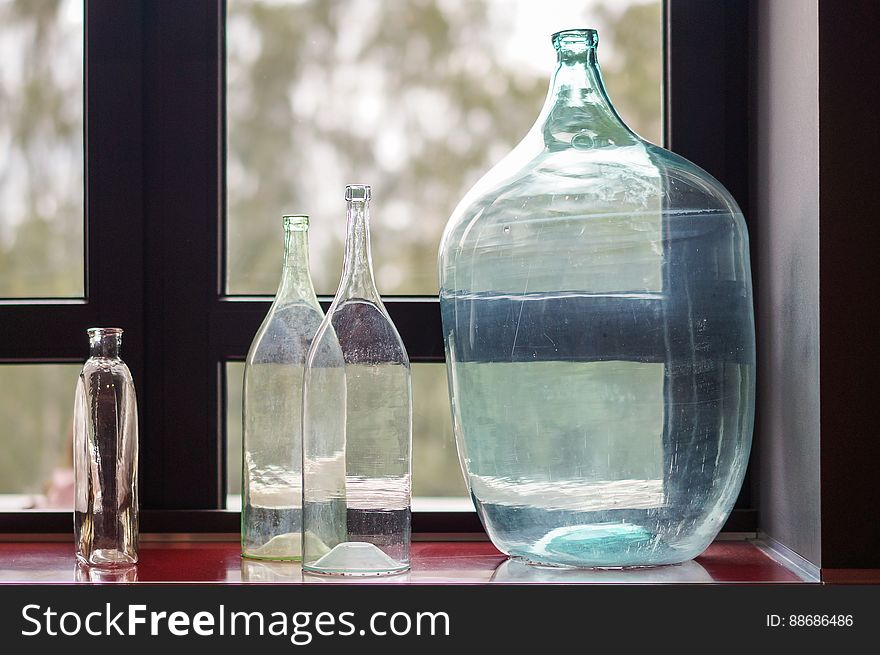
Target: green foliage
41,222
36,409
634,76
41,190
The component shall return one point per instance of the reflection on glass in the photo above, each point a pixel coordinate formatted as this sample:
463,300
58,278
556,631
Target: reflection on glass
41,140
36,415
268,571
398,578
518,572
437,478
85,573
418,96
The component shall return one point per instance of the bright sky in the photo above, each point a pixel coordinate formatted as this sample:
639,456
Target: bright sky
534,22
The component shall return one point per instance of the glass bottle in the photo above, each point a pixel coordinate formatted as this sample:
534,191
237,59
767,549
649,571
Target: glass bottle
357,424
597,317
105,456
271,476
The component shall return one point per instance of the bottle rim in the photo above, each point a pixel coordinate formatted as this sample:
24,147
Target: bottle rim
295,221
358,192
101,331
581,36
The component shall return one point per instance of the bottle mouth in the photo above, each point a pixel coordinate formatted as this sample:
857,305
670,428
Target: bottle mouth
297,222
357,192
103,331
576,39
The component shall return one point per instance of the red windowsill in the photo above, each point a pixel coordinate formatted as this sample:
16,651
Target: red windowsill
434,562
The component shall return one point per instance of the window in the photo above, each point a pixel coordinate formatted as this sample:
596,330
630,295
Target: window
41,234
41,128
37,405
205,121
418,99
70,253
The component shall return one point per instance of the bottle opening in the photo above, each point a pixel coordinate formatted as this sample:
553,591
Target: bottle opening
104,342
357,192
103,331
296,222
575,40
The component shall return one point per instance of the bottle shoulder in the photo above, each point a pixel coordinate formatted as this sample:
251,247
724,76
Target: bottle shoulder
358,331
286,332
571,182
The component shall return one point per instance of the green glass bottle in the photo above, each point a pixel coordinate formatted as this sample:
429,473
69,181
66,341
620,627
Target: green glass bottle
271,477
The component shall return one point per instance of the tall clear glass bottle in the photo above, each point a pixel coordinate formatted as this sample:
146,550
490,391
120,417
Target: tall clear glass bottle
357,424
271,476
105,456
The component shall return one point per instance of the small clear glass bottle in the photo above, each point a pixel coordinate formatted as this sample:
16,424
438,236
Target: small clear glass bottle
357,424
105,456
271,477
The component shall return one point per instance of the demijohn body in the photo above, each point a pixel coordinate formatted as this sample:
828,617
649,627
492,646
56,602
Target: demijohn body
105,456
357,424
597,316
271,516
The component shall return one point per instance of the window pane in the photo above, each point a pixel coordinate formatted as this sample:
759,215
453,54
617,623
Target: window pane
437,479
436,471
234,389
41,148
416,97
36,415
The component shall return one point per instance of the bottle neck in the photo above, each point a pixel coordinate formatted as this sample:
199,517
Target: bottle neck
578,112
106,345
296,279
357,271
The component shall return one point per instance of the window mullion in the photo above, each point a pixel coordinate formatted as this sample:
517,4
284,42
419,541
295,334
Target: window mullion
181,451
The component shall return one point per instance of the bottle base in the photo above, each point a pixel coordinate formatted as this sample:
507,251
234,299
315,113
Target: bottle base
602,546
354,574
541,564
108,558
285,547
265,558
356,558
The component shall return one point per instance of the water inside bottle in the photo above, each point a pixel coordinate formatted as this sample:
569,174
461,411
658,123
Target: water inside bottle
608,426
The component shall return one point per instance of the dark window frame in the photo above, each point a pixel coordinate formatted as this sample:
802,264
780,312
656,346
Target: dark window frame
155,209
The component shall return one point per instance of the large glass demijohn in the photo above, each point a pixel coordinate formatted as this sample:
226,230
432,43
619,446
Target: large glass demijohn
597,317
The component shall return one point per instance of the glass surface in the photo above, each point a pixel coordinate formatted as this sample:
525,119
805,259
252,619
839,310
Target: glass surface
41,141
418,96
271,519
105,456
597,316
36,434
437,479
357,424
